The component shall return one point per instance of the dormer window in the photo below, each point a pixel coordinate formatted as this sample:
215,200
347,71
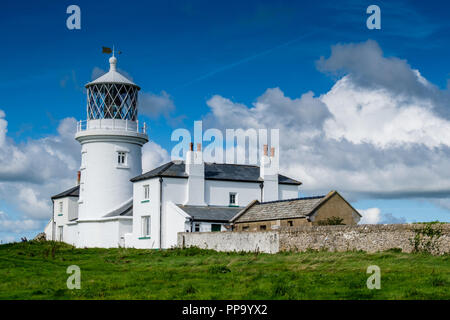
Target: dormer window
233,199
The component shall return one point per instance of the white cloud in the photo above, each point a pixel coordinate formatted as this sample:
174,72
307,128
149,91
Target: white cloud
382,118
155,105
153,155
365,137
370,216
16,226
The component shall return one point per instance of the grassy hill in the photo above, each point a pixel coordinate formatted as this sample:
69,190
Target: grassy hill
37,270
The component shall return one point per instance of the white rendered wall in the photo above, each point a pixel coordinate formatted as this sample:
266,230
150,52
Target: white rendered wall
104,183
217,192
179,222
287,191
102,234
145,207
61,218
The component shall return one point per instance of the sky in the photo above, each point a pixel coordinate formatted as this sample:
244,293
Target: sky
365,112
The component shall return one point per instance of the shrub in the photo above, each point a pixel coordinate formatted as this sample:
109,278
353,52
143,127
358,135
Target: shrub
332,221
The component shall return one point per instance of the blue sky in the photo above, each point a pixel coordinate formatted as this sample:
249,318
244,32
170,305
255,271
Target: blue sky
195,50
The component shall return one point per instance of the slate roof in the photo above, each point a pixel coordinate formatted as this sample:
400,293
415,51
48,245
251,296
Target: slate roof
282,209
213,171
211,213
72,192
125,211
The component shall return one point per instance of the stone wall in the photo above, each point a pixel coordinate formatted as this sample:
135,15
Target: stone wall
267,241
369,238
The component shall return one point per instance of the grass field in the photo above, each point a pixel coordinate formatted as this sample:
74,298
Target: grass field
33,270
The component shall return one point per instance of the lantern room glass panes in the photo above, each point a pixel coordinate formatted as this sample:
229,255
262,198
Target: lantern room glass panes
112,101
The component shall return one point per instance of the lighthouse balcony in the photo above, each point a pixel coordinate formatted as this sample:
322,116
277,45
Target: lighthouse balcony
111,124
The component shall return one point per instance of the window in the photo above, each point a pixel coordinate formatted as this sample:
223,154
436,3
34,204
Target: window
83,159
290,223
245,228
147,192
233,199
61,207
60,233
216,227
262,228
145,226
197,227
121,157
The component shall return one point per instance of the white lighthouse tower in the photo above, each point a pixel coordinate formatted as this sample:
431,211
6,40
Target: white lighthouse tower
111,140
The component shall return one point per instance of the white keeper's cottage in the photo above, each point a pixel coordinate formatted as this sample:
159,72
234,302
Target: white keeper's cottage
115,204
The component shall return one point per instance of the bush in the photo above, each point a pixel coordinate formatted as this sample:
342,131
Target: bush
332,221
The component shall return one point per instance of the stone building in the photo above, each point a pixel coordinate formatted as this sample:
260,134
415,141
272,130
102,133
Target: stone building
294,212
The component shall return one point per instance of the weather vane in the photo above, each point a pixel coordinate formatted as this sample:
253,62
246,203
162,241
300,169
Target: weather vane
109,50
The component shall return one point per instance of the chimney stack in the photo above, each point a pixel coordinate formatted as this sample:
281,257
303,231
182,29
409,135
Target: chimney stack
269,174
195,169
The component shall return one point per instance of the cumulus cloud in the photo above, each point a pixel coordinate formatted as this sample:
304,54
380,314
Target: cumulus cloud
156,105
367,136
370,216
34,170
153,155
16,226
375,216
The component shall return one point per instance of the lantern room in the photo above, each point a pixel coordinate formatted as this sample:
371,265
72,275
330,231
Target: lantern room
112,96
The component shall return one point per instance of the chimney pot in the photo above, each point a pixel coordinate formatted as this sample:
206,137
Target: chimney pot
199,147
265,149
78,177
191,146
272,152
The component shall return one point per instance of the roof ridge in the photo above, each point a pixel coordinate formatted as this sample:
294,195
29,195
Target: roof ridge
293,199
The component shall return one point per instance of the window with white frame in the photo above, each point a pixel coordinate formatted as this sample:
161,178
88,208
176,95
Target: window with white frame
121,158
145,226
60,207
146,192
197,227
233,199
60,233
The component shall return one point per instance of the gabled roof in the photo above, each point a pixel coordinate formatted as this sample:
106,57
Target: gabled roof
72,192
213,171
283,209
210,213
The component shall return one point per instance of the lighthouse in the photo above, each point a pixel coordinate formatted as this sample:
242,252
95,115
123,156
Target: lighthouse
111,140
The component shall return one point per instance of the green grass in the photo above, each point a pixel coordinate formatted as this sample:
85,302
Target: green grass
34,270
